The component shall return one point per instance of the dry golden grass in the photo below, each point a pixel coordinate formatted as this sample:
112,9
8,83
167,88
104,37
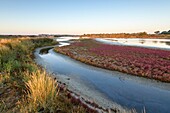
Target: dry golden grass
42,91
22,87
43,95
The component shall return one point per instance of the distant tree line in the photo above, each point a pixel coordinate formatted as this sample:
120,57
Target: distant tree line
122,35
163,32
65,35
16,36
9,36
158,34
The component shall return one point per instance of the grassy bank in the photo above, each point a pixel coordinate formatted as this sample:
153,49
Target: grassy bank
143,62
25,87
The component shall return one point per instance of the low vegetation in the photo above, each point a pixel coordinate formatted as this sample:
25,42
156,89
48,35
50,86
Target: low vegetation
25,87
164,32
143,62
129,35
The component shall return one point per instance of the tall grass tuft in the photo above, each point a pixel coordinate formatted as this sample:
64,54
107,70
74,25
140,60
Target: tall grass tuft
42,91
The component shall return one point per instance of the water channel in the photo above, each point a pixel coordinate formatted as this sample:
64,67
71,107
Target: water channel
107,87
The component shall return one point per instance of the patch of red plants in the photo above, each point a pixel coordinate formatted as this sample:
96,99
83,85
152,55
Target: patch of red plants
144,62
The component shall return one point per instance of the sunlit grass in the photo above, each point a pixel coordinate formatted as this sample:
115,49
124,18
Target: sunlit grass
43,95
24,86
42,92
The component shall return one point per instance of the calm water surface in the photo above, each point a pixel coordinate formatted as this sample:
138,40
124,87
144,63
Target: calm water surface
151,43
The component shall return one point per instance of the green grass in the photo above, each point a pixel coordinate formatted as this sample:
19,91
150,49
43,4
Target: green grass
24,86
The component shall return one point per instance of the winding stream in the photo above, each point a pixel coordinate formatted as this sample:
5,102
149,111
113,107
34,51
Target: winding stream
108,88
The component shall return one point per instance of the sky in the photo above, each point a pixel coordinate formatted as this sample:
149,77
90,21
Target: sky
83,16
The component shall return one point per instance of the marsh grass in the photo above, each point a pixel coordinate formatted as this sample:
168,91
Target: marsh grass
44,95
24,87
42,92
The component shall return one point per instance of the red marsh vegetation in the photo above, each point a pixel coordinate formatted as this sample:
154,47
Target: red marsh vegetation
143,62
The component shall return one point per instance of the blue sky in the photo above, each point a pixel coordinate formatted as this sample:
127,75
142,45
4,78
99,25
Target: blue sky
83,16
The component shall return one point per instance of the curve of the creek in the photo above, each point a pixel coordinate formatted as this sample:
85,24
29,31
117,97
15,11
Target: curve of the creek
107,88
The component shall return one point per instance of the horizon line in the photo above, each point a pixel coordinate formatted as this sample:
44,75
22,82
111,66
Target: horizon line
27,34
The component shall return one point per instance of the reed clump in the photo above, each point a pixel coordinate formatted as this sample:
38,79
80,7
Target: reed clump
42,93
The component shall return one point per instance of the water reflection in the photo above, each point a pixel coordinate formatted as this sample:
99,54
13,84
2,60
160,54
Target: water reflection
151,43
167,43
62,39
155,42
142,41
